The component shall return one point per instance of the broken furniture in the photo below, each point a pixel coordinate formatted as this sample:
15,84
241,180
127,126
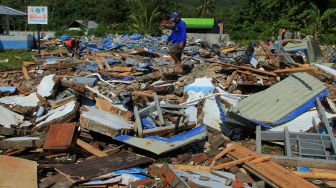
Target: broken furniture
317,147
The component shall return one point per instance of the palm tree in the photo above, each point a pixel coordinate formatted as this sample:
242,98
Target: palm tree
316,19
144,16
206,8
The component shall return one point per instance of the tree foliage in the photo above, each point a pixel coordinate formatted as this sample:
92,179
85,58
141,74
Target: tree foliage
243,19
206,8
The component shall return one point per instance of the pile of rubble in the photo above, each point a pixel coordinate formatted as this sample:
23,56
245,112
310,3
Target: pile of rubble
120,116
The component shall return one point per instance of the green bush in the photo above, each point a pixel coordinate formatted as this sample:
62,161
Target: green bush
100,31
72,33
328,38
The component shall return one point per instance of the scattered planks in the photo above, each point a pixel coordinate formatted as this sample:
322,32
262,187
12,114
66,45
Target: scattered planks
269,171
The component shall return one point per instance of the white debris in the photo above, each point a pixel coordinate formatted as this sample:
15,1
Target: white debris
8,118
26,101
56,113
46,87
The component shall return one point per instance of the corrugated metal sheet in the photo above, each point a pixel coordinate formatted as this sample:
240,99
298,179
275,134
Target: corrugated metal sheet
10,11
281,99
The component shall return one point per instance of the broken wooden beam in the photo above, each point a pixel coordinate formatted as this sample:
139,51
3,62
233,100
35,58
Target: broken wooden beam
294,70
96,152
250,69
317,175
107,65
233,163
222,153
25,73
230,79
192,168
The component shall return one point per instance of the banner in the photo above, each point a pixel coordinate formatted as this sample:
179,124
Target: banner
37,15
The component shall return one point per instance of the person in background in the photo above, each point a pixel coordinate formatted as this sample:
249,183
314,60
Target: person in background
72,46
178,40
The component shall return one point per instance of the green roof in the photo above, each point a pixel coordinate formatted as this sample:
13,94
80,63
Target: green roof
281,99
199,23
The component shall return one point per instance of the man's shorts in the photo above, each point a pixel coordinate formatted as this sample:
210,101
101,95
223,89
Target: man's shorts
176,50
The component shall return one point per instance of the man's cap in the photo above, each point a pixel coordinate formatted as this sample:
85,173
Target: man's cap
174,15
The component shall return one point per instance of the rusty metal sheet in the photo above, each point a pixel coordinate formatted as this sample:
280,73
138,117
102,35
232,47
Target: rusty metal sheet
102,165
16,172
60,136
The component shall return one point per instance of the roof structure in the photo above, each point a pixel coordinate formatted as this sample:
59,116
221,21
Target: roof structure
10,11
88,24
286,98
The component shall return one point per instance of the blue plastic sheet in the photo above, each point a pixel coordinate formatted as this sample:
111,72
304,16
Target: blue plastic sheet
64,37
303,169
10,89
147,124
135,36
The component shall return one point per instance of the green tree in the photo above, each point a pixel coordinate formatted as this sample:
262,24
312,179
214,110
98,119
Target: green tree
206,8
145,17
314,20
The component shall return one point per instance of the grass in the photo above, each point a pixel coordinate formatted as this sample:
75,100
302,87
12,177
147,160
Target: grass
14,62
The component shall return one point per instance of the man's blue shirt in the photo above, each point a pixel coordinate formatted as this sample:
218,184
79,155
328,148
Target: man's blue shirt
179,33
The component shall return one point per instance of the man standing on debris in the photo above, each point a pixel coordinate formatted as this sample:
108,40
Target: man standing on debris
178,40
72,46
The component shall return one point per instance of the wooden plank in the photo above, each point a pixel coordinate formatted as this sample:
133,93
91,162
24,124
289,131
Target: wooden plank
102,165
90,149
233,163
317,175
17,172
107,106
294,162
106,64
230,79
222,153
272,54
294,70
137,122
260,159
268,51
192,168
269,171
58,103
25,73
252,74
100,65
28,63
249,68
121,69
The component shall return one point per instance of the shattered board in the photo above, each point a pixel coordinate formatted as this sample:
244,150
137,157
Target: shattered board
284,101
102,165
